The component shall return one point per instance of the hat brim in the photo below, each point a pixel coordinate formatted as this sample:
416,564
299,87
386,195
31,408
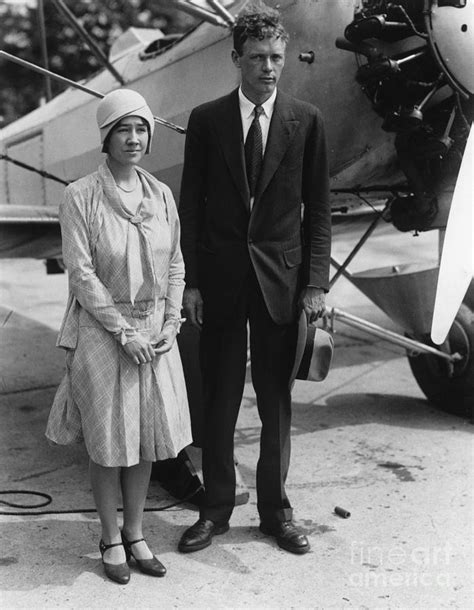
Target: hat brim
300,345
314,352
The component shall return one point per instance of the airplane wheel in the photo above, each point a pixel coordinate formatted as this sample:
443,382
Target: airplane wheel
450,387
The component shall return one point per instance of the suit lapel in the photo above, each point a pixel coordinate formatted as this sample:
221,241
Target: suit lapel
282,129
228,126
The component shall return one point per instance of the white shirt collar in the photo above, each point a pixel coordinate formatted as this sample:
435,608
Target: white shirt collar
247,107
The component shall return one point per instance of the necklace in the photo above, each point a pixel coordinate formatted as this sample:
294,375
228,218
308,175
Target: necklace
128,190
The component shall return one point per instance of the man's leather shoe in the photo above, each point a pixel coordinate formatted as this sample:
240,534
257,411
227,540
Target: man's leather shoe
287,536
199,535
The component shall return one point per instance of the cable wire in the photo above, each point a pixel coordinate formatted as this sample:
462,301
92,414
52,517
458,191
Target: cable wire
49,499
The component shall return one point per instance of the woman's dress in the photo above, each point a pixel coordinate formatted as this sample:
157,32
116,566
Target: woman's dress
126,276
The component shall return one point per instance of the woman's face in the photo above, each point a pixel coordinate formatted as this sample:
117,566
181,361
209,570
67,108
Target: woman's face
128,140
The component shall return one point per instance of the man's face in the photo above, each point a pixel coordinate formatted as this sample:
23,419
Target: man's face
260,64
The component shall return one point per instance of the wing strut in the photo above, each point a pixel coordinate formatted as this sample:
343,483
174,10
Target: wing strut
222,11
67,81
201,13
44,48
96,50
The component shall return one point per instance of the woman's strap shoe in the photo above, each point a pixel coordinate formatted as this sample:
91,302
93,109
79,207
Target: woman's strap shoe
152,567
119,572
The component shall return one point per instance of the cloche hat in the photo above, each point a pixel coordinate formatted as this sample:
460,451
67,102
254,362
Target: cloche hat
121,103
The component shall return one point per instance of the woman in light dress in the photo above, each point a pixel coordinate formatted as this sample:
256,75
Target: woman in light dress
124,392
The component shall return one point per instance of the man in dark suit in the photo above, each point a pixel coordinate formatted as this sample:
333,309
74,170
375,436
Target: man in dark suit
255,219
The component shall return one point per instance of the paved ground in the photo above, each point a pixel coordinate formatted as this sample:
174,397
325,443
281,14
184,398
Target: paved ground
365,439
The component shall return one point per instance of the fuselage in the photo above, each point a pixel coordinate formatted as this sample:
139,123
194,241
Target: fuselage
62,138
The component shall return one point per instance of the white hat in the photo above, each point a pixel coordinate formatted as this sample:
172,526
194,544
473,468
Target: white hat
314,350
121,103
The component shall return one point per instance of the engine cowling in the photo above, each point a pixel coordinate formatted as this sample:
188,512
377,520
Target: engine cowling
451,35
418,75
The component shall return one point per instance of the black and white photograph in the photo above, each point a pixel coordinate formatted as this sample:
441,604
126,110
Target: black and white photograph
236,304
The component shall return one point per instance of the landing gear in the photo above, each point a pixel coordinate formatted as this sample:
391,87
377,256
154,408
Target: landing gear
450,386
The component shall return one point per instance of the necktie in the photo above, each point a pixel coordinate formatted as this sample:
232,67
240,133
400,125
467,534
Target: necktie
254,150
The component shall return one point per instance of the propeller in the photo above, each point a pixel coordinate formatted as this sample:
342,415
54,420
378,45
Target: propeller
457,260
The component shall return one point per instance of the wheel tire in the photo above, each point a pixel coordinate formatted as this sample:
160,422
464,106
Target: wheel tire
450,390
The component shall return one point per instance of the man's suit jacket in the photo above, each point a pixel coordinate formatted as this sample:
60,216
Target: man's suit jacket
221,237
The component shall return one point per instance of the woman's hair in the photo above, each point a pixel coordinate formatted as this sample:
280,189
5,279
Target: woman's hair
257,21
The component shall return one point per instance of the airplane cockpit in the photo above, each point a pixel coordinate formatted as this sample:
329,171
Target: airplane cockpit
160,45
148,43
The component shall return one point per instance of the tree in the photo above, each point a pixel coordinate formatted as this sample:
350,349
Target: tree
21,89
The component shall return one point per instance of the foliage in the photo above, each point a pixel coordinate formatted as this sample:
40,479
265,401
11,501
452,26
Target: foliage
21,90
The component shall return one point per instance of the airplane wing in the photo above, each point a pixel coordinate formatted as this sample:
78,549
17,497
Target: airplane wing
29,232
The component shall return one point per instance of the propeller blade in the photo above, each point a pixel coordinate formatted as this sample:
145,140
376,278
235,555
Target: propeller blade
457,260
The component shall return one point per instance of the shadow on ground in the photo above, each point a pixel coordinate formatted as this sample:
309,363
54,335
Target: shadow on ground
359,409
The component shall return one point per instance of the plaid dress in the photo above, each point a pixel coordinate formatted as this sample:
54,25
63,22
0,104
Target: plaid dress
126,276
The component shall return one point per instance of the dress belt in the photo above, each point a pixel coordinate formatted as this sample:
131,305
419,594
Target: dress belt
141,309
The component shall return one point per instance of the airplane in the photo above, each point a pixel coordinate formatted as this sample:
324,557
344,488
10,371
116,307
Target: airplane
394,82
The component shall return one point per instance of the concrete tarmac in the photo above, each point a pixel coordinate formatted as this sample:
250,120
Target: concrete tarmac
365,439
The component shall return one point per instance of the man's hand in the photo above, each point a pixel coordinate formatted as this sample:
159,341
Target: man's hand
192,305
313,302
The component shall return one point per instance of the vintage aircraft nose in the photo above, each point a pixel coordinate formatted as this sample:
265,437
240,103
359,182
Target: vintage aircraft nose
451,36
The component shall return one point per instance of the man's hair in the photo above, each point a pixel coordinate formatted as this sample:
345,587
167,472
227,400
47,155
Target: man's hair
257,21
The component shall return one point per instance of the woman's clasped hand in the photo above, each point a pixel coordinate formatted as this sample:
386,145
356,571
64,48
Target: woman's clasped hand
141,351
